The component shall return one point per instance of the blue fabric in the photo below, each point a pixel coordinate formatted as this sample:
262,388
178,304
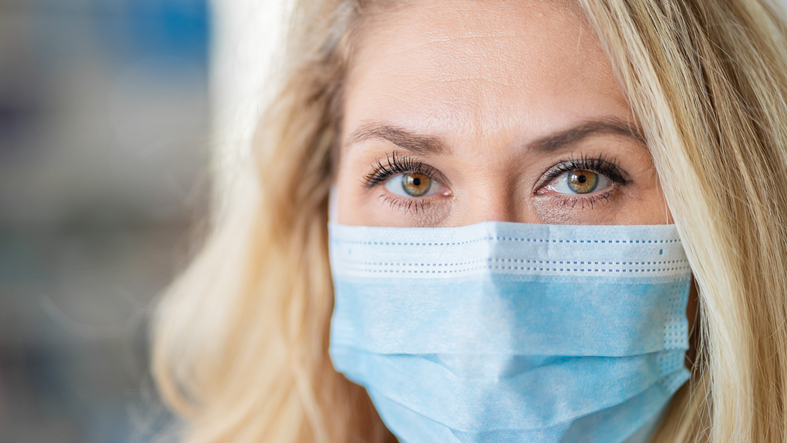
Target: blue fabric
507,332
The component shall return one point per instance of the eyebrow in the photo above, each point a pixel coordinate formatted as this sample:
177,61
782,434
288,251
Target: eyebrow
426,144
416,143
573,135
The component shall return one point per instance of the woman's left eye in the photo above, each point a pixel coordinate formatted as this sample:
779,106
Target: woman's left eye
578,182
412,184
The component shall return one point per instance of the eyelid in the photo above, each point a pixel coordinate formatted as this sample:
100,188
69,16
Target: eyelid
394,164
608,168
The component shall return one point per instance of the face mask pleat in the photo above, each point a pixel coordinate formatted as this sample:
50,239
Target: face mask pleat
499,315
613,425
508,248
506,332
542,397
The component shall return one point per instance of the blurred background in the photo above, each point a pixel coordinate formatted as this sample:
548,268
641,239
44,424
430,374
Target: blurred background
113,117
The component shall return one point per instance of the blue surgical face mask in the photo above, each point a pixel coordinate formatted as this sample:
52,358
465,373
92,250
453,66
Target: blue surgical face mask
510,332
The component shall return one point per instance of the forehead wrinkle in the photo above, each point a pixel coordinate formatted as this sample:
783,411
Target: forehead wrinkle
438,28
451,74
491,59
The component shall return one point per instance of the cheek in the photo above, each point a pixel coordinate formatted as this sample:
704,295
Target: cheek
647,205
346,194
355,203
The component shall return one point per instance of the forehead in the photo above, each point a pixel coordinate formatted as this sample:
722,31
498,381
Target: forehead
464,67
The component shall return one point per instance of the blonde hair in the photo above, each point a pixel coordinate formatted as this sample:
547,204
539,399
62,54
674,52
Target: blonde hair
241,338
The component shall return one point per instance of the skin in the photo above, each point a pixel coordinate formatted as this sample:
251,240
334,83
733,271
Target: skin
490,97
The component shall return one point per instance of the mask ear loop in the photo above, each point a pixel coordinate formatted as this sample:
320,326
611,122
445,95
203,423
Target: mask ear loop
333,205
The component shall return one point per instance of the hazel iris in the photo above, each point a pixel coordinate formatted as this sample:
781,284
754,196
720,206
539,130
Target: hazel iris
416,185
582,182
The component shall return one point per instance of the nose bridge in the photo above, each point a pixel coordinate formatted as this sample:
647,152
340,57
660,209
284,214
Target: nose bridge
491,195
497,207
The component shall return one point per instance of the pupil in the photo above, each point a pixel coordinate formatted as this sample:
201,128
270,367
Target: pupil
417,181
582,178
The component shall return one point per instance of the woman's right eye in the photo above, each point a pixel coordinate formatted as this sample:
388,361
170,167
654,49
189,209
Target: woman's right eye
412,184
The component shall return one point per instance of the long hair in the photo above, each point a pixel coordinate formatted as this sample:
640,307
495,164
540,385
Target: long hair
240,345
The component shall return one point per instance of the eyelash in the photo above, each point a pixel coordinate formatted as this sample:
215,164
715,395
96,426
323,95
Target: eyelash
609,168
395,164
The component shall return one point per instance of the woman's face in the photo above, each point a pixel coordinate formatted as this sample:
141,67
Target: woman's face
467,111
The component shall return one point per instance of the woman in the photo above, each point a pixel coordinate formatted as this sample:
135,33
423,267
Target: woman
535,113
